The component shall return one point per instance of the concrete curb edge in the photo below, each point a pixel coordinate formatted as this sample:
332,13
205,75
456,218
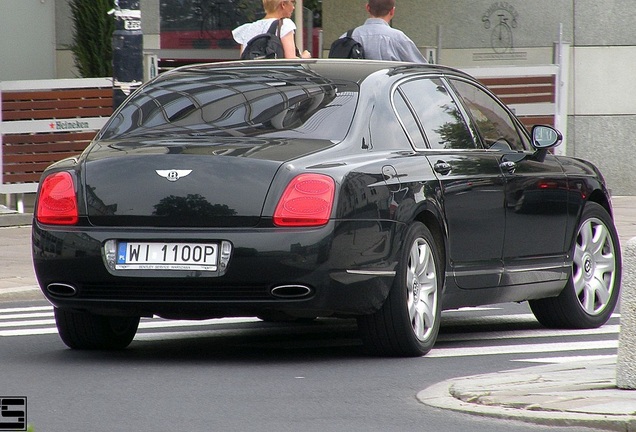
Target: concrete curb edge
15,219
439,396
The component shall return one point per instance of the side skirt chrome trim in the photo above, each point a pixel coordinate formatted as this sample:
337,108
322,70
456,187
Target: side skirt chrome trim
372,272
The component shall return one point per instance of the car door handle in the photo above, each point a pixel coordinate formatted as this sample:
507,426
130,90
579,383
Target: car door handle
442,167
508,166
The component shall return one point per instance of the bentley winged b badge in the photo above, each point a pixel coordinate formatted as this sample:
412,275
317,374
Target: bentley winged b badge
173,174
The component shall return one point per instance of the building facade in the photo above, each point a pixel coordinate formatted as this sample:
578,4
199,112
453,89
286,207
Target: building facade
600,54
27,39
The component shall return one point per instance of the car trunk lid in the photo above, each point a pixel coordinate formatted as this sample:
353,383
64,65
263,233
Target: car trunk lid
211,182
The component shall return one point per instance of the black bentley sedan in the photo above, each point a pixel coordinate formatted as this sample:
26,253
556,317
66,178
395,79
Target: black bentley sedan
385,192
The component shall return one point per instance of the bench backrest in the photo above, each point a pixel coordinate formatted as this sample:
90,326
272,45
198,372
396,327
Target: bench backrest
532,92
42,122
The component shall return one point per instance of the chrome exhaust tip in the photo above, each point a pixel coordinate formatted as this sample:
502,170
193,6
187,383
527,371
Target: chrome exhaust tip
291,291
61,289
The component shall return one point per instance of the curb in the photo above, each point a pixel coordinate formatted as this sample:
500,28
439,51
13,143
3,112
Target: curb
15,219
23,293
439,396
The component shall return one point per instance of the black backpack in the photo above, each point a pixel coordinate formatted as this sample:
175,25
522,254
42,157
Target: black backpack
346,47
265,46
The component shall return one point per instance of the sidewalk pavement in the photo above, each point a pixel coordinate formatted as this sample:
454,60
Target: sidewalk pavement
578,394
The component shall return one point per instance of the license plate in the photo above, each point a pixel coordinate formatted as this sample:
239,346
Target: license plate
167,256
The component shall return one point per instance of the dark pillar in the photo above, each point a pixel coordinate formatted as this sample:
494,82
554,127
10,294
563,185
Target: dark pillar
128,59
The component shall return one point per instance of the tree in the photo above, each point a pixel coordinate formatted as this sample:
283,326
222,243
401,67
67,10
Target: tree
92,37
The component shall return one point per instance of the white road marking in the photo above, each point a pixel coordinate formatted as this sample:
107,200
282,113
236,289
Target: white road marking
554,360
26,315
160,323
38,320
26,309
522,349
526,334
27,323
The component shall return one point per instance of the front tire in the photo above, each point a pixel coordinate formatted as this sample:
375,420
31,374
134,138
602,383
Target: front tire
408,322
589,298
83,330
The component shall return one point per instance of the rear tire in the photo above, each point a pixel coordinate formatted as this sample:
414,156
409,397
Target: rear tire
408,322
589,298
83,330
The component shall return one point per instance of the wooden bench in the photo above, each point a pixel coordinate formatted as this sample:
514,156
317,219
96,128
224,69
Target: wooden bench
25,156
531,92
42,122
525,90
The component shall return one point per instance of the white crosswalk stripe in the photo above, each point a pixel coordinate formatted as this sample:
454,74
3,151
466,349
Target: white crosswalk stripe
570,359
31,309
26,321
523,348
455,340
516,334
39,320
535,340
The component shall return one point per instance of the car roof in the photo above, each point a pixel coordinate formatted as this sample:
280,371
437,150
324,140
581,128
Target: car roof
351,70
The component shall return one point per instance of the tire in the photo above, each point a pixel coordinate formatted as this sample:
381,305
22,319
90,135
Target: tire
590,295
408,322
83,330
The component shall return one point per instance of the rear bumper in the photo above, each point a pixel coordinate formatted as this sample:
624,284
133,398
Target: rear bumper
345,268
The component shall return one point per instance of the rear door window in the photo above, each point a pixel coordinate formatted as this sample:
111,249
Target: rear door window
439,117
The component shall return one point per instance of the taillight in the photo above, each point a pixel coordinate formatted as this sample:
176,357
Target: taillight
307,201
57,202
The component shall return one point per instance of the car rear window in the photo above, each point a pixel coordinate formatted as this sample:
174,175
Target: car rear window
239,102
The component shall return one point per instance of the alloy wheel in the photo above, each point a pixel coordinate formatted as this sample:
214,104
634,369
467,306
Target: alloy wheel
421,289
594,267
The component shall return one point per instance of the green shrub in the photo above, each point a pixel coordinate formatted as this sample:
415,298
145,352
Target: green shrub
92,37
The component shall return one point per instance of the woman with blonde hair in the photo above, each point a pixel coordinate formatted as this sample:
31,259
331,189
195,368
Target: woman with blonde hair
274,10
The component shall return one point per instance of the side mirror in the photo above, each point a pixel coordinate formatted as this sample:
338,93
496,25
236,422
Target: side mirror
544,137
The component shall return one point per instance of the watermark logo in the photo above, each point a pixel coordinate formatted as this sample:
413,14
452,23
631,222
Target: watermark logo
13,413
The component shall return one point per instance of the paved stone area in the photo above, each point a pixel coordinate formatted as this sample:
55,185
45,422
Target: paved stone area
567,394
